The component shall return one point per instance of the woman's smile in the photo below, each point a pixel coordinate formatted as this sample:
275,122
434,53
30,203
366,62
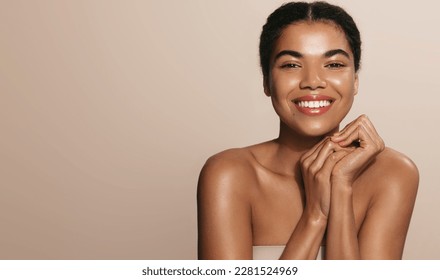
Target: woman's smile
313,105
312,79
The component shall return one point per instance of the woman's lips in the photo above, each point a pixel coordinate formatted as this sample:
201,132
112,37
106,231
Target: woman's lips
313,105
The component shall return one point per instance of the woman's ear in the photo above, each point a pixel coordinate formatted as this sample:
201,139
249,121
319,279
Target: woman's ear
356,83
266,86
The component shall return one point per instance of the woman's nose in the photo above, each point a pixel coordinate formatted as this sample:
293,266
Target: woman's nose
312,79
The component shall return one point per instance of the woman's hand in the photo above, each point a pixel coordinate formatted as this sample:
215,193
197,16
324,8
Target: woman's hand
316,167
367,145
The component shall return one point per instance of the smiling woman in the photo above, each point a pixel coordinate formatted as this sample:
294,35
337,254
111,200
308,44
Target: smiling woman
314,187
312,64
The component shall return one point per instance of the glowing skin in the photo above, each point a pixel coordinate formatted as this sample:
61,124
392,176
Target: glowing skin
311,185
310,61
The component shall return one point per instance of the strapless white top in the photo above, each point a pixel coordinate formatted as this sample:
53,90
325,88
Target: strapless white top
274,252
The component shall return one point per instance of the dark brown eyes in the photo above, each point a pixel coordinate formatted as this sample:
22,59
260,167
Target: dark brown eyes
334,65
290,65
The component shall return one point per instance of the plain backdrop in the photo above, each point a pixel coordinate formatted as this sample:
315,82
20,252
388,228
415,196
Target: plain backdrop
109,109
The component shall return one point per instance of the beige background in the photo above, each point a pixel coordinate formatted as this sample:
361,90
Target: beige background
108,110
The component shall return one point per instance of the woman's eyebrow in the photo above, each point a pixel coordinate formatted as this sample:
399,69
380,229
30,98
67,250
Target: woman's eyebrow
331,53
289,52
296,54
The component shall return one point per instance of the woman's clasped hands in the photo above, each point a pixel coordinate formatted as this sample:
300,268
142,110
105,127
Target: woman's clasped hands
337,161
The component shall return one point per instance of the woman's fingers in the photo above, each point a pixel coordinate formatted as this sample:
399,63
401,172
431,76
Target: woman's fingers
331,161
328,148
316,179
360,135
374,135
313,160
314,149
309,157
370,144
362,126
348,130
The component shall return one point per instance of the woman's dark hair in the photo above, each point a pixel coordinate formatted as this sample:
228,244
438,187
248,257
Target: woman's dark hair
293,12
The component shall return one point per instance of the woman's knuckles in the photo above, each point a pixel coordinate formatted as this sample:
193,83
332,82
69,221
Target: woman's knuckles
381,145
306,162
338,171
314,169
322,177
329,145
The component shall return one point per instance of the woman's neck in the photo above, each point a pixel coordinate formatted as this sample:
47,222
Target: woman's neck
291,146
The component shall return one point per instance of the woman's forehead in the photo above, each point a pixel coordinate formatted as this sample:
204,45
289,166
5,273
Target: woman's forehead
312,38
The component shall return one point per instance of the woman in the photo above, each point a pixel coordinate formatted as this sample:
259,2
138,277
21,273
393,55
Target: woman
315,185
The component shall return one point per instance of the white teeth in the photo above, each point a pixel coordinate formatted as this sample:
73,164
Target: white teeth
314,104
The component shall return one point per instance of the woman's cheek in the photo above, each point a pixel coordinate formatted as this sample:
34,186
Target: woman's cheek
288,84
342,82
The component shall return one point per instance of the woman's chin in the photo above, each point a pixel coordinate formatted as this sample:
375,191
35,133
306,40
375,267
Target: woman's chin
315,132
310,129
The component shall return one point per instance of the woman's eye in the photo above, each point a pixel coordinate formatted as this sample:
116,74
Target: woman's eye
290,65
335,65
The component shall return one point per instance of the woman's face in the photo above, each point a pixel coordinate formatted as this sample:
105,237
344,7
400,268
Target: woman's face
312,81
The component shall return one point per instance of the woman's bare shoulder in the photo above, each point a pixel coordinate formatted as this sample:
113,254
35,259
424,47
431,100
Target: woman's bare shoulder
224,198
393,172
224,194
230,172
236,162
231,156
397,165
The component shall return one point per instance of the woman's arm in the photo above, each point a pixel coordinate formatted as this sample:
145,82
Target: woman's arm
342,240
224,212
383,232
393,183
316,168
377,180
